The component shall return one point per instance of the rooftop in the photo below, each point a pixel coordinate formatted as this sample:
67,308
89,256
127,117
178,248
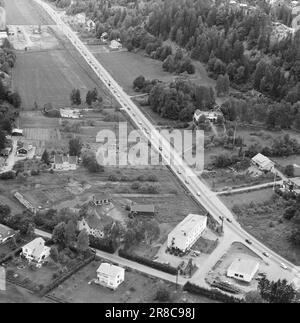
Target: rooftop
110,270
147,208
5,231
37,246
245,266
261,159
188,224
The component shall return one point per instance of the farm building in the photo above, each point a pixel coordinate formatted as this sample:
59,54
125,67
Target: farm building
115,45
24,202
65,163
263,163
101,199
70,113
187,232
292,185
110,276
36,251
142,210
243,269
5,233
17,132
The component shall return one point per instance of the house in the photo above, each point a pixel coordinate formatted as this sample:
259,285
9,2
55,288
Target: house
292,185
280,31
142,210
243,269
263,163
5,233
36,251
212,115
17,132
80,18
110,276
115,45
64,163
92,225
24,150
104,37
101,199
90,25
70,113
187,232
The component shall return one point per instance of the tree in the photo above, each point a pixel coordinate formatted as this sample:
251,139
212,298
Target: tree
220,85
83,241
289,171
70,232
88,98
75,147
75,97
45,157
139,82
54,253
2,140
254,297
58,235
276,292
89,161
4,212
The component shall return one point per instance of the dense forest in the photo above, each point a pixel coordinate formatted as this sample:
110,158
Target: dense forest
232,43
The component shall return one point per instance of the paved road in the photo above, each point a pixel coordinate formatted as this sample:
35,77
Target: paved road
185,174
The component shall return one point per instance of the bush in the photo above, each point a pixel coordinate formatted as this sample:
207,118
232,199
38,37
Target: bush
135,185
101,244
8,175
113,178
148,262
211,293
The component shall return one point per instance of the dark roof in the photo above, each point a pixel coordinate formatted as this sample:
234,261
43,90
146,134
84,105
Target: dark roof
5,231
147,208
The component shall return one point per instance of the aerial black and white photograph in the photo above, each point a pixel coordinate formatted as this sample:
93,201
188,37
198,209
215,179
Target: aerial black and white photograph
149,154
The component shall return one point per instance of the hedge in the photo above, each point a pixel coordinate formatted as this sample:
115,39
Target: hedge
211,293
101,245
148,262
65,276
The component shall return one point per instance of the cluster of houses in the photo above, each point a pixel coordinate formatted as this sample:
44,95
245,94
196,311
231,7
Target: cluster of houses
81,19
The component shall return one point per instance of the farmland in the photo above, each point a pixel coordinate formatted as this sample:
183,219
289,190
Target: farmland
48,76
29,14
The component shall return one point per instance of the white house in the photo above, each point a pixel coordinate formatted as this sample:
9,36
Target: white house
36,251
115,45
17,132
263,163
70,113
187,232
80,18
5,233
243,269
90,25
65,162
110,276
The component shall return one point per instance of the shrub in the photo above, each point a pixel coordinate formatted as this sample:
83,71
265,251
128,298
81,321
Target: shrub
148,262
113,178
135,186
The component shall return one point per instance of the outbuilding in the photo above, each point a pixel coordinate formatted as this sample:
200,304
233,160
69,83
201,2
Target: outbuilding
243,269
263,163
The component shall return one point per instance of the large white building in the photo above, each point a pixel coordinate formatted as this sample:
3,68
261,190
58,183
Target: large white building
187,232
243,269
36,251
110,276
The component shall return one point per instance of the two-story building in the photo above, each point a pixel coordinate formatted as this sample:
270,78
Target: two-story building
36,251
110,276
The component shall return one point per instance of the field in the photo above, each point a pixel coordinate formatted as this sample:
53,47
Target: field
49,76
30,14
15,294
137,288
126,66
262,217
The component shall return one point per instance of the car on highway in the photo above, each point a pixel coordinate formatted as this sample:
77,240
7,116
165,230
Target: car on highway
248,241
282,265
178,172
187,182
266,254
228,220
198,194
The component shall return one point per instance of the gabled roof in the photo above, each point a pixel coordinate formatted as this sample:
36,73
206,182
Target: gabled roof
36,246
262,160
110,270
146,208
5,232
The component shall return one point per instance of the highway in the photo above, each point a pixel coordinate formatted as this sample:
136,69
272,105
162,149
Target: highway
201,193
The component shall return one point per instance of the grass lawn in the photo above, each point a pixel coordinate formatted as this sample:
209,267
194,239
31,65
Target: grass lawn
50,75
15,294
261,216
26,12
137,288
126,66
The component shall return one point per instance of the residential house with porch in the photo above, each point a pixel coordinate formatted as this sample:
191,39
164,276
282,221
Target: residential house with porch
36,251
110,276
